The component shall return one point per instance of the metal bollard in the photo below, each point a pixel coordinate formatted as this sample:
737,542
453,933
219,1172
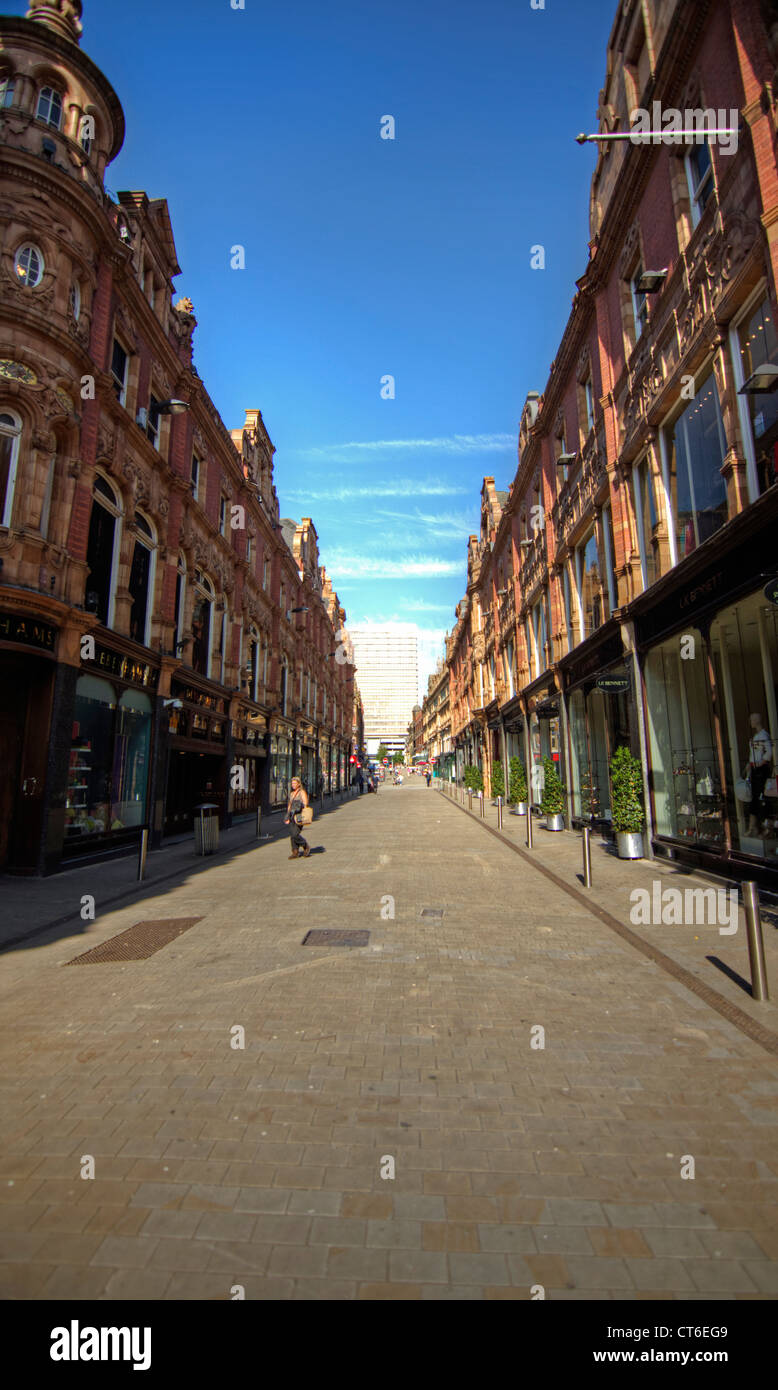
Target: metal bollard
529,825
482,804
259,822
469,799
587,858
759,990
144,845
499,813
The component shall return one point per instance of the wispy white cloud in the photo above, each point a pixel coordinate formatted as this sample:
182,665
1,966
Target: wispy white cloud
443,524
395,487
346,564
447,444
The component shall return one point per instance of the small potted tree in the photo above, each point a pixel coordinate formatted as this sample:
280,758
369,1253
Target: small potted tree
477,782
498,780
517,789
627,803
553,802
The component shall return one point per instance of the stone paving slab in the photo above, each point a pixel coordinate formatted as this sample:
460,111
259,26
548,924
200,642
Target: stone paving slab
390,1127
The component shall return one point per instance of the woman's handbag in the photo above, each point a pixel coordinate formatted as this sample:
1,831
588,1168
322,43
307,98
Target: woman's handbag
305,816
743,789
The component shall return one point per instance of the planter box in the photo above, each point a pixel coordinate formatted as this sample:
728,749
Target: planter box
556,822
629,845
520,809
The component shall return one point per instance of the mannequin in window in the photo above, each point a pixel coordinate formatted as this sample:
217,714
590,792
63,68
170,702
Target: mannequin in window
760,757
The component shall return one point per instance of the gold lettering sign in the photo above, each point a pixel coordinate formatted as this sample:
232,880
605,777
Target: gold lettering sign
30,632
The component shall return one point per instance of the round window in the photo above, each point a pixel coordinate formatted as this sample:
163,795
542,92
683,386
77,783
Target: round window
28,264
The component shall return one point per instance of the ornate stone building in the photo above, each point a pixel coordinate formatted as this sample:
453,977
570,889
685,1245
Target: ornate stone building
623,591
165,638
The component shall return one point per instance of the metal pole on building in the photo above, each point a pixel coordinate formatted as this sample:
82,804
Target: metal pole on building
759,988
587,857
144,845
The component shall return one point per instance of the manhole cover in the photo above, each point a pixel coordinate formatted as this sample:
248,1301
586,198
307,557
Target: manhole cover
325,937
138,942
432,912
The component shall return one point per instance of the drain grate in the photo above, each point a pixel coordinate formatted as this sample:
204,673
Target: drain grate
138,942
321,936
432,912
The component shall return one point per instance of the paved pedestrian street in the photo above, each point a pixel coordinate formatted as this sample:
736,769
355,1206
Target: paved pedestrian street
495,1097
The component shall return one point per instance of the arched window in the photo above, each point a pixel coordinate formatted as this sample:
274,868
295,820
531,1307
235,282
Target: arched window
102,550
141,584
201,624
50,107
180,594
29,265
10,433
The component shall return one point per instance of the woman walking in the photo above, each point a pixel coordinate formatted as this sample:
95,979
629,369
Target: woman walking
298,798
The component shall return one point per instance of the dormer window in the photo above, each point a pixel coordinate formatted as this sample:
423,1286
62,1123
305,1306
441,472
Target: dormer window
49,107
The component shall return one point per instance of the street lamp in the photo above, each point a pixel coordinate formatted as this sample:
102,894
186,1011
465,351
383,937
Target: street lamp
169,408
650,281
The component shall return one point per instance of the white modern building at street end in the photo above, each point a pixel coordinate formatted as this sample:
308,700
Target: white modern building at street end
387,662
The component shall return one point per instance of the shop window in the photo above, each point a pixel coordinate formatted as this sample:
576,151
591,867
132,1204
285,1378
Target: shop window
10,435
201,624
101,551
699,175
131,760
109,760
685,781
695,448
645,513
29,265
49,108
141,582
757,343
119,364
744,647
7,86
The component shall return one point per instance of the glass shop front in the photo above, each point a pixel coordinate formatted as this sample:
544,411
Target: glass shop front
110,757
713,731
709,655
281,752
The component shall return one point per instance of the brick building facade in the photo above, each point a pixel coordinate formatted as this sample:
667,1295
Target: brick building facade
620,592
166,638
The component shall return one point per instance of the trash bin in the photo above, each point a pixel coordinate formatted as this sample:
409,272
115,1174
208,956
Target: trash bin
206,828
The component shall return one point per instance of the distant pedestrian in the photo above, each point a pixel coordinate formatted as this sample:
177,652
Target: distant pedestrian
429,778
298,799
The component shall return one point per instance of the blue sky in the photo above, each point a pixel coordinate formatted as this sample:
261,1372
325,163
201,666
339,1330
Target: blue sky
364,256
